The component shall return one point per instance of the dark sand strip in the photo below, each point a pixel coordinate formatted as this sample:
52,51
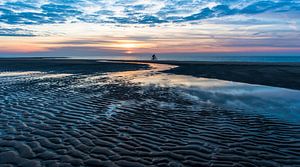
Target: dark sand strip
63,65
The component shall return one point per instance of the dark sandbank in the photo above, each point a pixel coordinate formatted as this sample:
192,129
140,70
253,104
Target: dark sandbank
285,75
63,65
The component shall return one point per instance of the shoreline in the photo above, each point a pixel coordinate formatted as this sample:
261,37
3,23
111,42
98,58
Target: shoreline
283,75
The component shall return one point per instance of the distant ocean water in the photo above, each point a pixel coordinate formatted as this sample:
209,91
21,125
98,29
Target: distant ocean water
191,57
248,58
214,58
220,58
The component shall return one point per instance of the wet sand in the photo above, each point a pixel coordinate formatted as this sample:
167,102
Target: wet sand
285,75
62,65
88,113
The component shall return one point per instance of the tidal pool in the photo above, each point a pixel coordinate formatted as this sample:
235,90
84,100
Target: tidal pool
276,102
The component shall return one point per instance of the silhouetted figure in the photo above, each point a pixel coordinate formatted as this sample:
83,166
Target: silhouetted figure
154,57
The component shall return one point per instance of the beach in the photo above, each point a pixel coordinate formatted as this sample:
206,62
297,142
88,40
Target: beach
63,112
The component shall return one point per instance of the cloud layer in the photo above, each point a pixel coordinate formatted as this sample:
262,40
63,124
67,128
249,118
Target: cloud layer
135,11
145,26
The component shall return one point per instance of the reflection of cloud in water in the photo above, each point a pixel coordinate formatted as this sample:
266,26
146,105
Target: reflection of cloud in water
54,76
21,73
167,80
270,101
282,107
33,74
154,68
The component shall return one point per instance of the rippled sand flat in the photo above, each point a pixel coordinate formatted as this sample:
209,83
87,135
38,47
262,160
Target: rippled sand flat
113,119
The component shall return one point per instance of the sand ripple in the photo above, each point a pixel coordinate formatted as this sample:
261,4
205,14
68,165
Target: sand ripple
76,121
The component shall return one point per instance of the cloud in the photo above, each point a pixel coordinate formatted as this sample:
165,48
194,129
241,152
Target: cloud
16,32
172,25
134,11
254,8
71,51
268,42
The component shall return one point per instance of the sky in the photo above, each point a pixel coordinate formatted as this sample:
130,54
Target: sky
98,28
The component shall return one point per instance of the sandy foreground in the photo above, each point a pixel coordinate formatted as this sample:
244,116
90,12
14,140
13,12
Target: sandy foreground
91,113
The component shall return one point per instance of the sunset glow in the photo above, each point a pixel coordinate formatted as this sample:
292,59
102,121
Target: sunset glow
255,26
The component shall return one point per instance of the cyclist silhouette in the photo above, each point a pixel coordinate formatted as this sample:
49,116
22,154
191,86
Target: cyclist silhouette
154,57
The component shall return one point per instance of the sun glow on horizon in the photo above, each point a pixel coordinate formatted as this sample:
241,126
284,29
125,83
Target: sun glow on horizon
229,33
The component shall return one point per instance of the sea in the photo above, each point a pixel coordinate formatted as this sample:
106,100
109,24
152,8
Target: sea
211,57
221,58
240,59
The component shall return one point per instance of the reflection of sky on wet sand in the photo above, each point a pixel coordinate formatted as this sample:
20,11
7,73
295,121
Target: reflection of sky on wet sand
30,74
270,101
142,74
21,73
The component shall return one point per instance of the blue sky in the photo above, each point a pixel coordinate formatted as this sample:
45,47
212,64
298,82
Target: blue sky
138,26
